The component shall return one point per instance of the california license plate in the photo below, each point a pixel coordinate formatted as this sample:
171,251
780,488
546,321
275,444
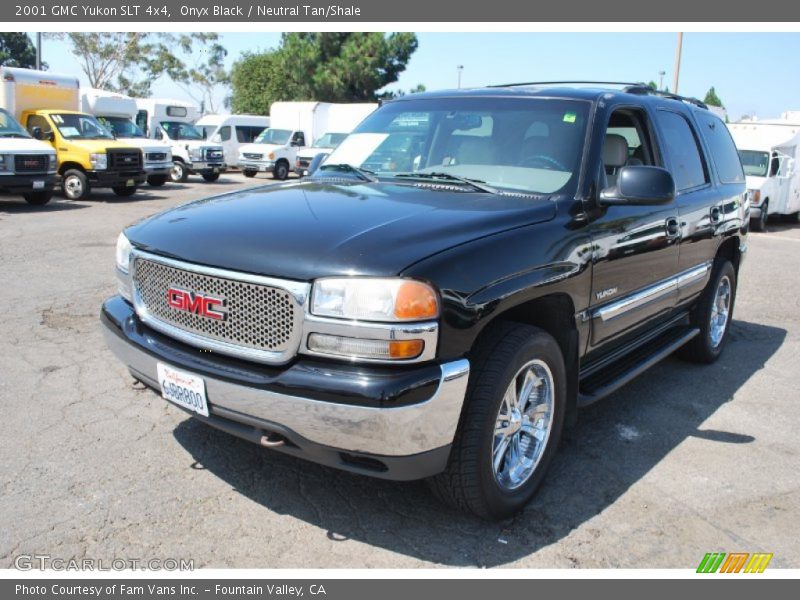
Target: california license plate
184,389
38,185
130,183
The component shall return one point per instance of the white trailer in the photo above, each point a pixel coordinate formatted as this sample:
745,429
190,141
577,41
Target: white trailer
116,112
172,122
769,154
232,131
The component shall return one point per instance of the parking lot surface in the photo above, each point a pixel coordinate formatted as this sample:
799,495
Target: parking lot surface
683,461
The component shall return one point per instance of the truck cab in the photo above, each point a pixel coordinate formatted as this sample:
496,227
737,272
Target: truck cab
27,166
172,122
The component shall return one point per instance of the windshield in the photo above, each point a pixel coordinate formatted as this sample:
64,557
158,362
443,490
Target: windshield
80,127
181,131
329,140
278,137
754,162
9,126
527,144
122,127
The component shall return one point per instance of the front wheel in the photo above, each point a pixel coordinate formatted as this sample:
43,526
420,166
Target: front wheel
760,224
281,171
157,180
178,173
211,177
511,423
37,198
74,185
249,173
124,191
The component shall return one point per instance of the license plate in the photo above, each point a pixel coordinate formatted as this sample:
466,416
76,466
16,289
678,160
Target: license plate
130,183
184,389
216,170
38,185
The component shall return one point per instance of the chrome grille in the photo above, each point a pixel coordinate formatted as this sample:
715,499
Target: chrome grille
252,155
213,154
261,321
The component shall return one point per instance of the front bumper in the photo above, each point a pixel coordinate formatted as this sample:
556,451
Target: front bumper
157,168
393,422
116,178
22,184
206,168
260,166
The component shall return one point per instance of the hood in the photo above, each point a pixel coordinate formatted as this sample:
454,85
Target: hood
259,148
146,144
28,145
314,229
754,183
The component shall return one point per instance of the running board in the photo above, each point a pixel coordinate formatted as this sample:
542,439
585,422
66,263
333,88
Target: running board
611,377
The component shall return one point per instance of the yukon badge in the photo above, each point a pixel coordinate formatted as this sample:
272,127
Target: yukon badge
602,295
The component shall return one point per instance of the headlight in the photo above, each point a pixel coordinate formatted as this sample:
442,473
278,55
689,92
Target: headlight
374,299
52,164
196,154
99,161
124,249
755,196
5,162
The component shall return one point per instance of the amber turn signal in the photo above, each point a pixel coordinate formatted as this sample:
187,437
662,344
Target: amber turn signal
415,301
406,348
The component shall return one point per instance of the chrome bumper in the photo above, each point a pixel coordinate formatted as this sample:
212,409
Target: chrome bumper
256,165
393,432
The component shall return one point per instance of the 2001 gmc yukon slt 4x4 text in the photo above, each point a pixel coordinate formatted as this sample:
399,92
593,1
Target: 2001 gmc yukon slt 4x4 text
459,276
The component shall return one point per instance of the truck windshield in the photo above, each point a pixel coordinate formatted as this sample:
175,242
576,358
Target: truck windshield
754,162
122,127
520,143
279,137
181,131
329,140
9,126
80,127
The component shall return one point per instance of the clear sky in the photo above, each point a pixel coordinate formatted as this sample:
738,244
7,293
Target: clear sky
752,72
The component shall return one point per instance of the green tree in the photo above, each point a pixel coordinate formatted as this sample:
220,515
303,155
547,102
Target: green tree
652,85
712,99
330,67
17,50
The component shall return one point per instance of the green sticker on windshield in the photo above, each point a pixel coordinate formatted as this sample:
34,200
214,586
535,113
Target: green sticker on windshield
569,117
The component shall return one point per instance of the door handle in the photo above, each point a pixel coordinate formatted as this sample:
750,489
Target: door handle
672,228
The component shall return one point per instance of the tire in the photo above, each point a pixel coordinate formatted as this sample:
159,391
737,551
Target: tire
281,170
211,177
760,224
471,482
249,173
178,173
791,218
157,180
38,198
708,345
124,191
74,185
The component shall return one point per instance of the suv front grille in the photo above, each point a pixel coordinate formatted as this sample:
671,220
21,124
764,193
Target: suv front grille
258,317
124,159
30,163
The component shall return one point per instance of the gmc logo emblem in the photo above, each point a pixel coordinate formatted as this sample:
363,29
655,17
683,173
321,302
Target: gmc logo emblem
30,163
205,306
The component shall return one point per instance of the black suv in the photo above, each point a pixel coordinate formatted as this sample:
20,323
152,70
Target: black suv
465,271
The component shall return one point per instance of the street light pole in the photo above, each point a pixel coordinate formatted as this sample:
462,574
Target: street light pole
661,80
678,49
459,68
39,51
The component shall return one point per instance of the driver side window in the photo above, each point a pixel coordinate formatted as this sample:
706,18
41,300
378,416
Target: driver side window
626,144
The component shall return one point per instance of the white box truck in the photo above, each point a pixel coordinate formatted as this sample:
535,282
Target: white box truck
292,125
769,153
27,166
232,131
172,122
116,112
342,119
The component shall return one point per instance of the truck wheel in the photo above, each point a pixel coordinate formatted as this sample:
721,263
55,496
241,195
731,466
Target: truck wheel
157,180
37,198
178,173
792,218
211,177
510,425
713,315
74,185
123,191
281,171
760,224
249,173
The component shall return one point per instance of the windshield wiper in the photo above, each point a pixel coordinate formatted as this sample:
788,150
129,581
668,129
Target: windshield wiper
364,174
474,183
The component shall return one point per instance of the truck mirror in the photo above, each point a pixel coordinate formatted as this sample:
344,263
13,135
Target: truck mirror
640,186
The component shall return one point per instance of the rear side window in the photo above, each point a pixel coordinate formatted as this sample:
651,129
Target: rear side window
723,150
681,145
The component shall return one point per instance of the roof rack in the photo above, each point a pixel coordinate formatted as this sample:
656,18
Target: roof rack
625,83
641,88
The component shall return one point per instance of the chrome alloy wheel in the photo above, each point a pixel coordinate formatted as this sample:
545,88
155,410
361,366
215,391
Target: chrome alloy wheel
523,425
73,187
720,311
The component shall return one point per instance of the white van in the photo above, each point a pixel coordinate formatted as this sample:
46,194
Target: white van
231,131
172,122
769,151
116,112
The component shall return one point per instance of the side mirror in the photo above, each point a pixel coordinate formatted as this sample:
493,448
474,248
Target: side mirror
37,133
640,186
316,162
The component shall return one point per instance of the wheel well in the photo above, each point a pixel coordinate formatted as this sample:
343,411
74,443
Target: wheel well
64,167
730,249
178,159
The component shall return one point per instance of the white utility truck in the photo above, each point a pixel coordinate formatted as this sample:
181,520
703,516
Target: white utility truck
232,131
342,119
769,153
27,166
116,112
292,125
172,122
